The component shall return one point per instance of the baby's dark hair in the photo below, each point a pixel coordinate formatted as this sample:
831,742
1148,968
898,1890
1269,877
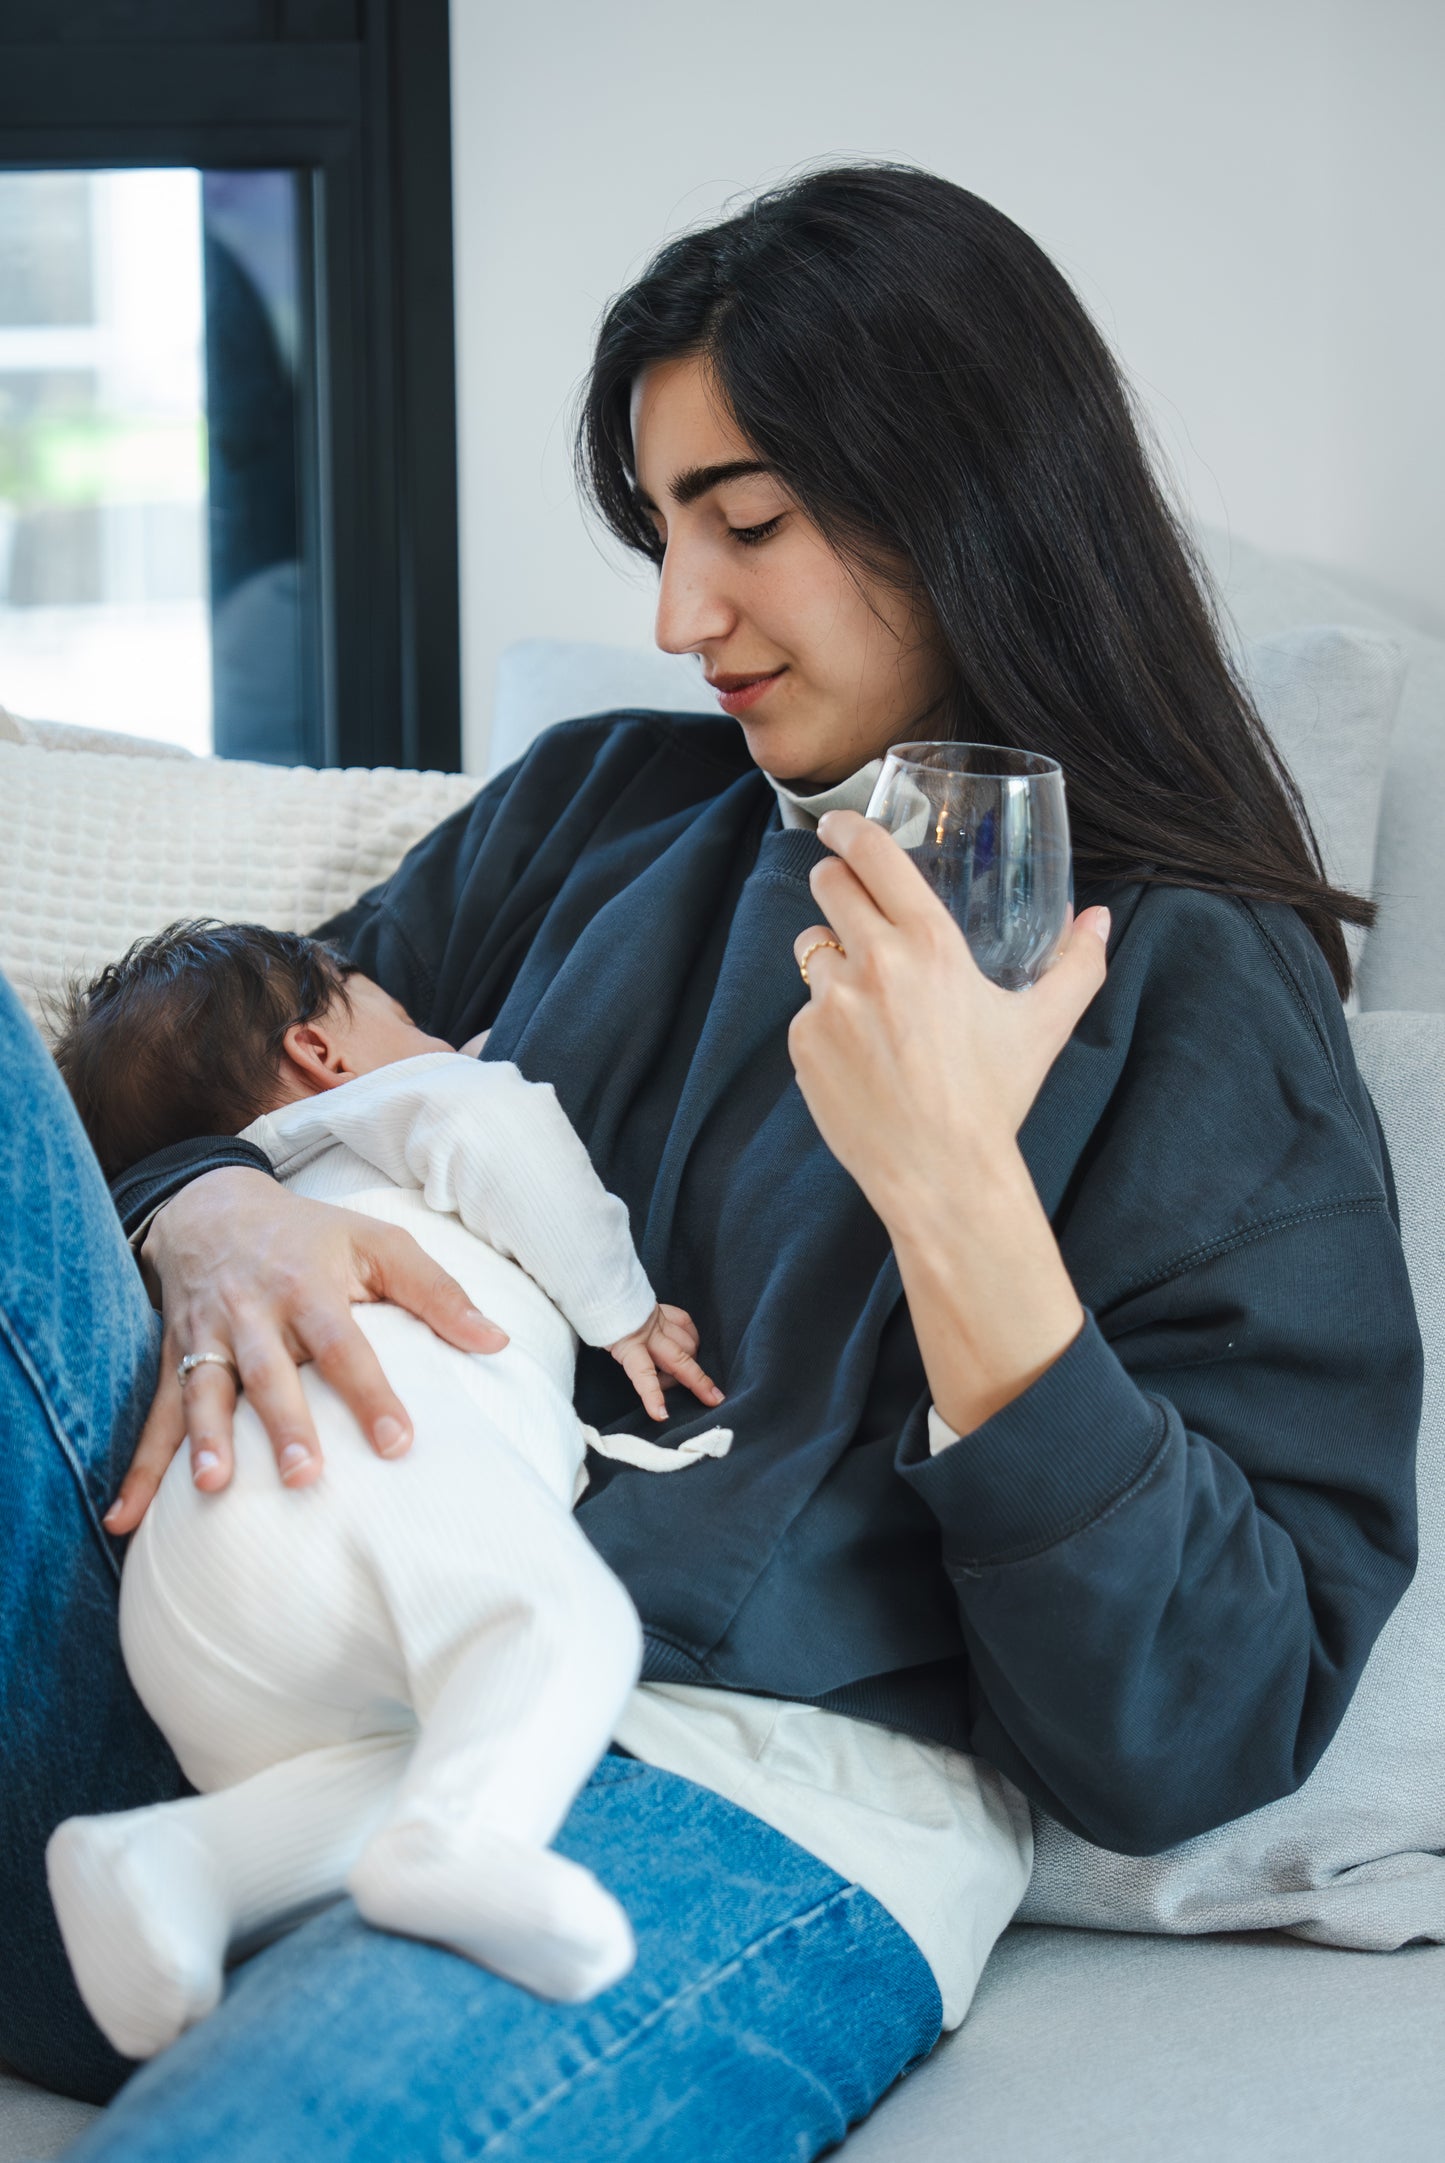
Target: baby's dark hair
183,1036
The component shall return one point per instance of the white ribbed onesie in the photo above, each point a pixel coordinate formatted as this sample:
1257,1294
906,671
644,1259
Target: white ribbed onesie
397,1679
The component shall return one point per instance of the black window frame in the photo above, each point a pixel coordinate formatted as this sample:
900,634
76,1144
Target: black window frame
357,97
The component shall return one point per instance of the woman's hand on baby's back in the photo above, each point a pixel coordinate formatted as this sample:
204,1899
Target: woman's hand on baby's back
667,1340
267,1280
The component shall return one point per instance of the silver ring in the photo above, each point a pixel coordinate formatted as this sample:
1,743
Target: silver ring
193,1360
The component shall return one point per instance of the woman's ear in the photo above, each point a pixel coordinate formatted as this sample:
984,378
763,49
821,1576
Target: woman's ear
312,1058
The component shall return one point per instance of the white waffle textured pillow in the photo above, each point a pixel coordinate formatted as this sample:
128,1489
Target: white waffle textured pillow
98,850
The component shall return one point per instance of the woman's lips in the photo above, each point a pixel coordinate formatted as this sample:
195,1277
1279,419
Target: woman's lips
736,693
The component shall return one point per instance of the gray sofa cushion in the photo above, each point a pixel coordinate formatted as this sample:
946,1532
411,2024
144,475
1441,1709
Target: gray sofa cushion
1082,2048
1357,1857
35,2125
1404,961
1329,697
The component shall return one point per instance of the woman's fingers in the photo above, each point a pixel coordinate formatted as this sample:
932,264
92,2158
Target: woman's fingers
272,1383
1077,973
343,1356
885,872
160,1438
268,1280
392,1266
817,950
845,901
208,1403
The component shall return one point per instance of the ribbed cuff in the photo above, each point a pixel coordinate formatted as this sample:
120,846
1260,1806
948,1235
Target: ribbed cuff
605,1322
1046,1465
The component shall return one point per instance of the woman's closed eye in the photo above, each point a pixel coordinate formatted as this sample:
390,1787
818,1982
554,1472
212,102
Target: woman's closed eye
752,536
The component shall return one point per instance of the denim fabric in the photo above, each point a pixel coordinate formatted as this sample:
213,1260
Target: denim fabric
78,1344
771,2005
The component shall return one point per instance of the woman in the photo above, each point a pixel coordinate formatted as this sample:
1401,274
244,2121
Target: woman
1066,1334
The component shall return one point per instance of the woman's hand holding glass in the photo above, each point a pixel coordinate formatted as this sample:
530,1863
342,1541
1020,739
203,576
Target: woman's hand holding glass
267,1279
910,1060
919,1073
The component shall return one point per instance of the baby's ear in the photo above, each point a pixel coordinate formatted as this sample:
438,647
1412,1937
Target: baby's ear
312,1057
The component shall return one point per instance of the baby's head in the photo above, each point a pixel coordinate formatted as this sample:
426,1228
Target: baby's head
206,1026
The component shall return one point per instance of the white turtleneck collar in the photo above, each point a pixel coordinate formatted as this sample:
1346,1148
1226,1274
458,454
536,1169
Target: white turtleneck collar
849,795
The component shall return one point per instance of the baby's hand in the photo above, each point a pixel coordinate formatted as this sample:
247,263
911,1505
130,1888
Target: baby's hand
667,1339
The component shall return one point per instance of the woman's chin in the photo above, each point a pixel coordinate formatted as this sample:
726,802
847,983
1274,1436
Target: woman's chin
789,754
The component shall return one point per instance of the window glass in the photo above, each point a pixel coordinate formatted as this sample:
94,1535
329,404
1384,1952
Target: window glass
156,461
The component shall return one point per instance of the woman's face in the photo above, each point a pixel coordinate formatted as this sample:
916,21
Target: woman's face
822,665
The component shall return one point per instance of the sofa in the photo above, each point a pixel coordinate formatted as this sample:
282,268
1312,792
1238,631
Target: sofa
1233,2001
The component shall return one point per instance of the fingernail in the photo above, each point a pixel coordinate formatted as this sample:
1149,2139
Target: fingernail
1102,923
391,1437
204,1461
113,1511
293,1457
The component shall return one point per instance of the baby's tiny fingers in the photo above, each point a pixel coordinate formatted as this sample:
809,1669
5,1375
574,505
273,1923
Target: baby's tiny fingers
680,1326
643,1377
685,1369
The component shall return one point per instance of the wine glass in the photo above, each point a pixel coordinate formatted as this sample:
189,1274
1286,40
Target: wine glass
988,828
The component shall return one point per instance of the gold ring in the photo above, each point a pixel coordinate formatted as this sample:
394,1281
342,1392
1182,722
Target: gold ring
193,1360
807,950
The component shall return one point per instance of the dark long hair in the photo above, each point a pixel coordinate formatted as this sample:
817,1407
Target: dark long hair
932,393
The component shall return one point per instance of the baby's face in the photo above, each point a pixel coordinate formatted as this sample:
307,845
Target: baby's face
378,1031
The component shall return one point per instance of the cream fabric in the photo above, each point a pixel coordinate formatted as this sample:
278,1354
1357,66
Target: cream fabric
805,811
401,1675
68,736
940,1839
484,1150
97,850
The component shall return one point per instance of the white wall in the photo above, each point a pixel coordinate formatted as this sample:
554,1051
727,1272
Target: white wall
1249,195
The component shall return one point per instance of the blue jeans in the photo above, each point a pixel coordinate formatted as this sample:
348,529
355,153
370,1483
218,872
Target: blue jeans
771,2005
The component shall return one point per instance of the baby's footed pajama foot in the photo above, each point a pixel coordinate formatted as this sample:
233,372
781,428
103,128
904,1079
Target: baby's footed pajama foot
520,1910
143,1913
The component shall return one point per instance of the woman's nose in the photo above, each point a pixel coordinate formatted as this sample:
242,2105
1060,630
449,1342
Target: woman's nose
693,609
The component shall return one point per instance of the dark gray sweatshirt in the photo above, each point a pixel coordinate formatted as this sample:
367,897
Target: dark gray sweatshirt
1146,1589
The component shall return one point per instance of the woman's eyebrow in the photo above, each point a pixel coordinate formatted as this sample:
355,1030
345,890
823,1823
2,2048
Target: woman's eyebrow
695,481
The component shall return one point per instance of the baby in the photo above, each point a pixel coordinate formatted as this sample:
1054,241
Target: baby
396,1680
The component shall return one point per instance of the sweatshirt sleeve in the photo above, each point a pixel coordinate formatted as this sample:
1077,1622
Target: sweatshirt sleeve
499,1152
139,1193
1215,1483
1172,1555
